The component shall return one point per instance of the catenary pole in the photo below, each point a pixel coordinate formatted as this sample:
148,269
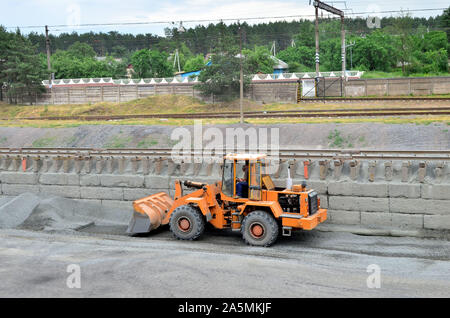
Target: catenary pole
47,45
241,80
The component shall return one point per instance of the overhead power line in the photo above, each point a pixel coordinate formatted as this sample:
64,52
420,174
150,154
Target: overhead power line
214,20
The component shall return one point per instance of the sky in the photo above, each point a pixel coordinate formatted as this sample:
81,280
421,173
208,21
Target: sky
60,13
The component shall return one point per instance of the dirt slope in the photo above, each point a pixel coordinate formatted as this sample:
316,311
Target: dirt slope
317,136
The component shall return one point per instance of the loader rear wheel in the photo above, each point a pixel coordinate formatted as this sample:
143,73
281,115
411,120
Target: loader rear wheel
187,223
259,228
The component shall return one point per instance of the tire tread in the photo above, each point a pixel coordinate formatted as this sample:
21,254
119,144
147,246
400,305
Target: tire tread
198,219
270,221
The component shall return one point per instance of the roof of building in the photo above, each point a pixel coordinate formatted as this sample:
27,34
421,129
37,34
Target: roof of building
103,58
279,64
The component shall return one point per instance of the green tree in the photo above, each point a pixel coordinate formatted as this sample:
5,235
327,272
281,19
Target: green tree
79,62
225,40
22,69
444,21
5,38
66,66
194,63
306,35
404,44
299,58
119,51
258,60
222,76
429,54
375,52
117,69
434,41
151,63
81,50
429,62
330,55
203,39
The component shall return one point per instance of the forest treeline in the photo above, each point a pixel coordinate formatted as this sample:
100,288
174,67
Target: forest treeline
401,40
402,43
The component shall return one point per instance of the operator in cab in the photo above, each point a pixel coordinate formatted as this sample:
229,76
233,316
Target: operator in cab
242,183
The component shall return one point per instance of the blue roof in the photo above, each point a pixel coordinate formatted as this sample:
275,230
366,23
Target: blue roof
188,74
196,73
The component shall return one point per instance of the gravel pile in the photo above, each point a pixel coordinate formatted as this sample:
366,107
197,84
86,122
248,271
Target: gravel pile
51,213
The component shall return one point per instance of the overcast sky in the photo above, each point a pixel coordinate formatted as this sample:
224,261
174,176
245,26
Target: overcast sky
74,12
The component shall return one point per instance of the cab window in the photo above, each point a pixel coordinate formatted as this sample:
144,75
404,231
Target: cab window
227,179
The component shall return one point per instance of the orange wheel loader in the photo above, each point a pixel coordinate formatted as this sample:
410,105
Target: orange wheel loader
251,205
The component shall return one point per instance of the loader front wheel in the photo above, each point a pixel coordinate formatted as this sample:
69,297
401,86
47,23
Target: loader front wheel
187,223
259,228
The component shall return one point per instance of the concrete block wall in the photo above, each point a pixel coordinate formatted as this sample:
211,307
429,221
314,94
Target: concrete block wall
263,91
111,93
383,197
398,86
379,197
273,92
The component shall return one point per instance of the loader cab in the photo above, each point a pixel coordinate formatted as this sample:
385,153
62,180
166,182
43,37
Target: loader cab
241,178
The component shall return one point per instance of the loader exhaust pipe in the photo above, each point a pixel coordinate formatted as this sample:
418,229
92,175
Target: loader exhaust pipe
196,185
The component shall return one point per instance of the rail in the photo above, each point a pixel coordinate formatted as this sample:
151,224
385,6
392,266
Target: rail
326,154
348,112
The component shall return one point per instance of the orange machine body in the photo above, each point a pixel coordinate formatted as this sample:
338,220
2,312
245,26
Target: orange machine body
294,208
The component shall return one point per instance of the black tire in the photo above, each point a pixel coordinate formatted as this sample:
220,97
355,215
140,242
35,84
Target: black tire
195,219
257,220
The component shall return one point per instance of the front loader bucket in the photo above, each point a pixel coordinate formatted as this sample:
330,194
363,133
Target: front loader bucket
149,213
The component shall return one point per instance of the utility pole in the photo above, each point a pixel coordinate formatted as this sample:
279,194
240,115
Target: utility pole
273,49
241,80
343,51
49,66
350,45
47,44
317,43
323,6
176,59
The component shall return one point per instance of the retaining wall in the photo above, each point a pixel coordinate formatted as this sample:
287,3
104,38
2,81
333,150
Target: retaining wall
262,91
397,86
368,197
82,94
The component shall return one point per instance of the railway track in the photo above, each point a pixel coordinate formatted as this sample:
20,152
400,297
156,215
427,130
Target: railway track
330,154
349,99
348,112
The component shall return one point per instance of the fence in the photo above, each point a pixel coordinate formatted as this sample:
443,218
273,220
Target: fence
397,86
264,90
320,87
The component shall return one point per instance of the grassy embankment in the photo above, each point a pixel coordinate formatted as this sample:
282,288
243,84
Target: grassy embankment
169,104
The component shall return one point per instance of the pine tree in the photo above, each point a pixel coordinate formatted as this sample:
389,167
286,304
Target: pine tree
23,70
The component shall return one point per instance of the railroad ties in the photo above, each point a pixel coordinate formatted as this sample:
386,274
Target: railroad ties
321,164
